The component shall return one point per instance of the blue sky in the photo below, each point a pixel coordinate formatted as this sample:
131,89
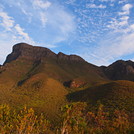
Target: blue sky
100,31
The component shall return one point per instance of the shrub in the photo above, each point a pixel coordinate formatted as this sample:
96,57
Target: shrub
75,119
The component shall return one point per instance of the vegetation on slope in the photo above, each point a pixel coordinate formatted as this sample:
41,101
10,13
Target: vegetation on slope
117,94
40,83
75,119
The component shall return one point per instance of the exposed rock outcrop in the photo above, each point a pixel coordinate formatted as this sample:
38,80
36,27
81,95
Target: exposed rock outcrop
62,56
74,83
30,52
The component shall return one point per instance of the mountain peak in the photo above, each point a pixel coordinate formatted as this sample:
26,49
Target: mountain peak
30,52
26,51
121,70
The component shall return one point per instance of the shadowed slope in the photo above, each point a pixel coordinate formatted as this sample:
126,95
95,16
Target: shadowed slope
117,94
120,70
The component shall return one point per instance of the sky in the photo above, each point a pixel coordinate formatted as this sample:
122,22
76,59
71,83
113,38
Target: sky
100,31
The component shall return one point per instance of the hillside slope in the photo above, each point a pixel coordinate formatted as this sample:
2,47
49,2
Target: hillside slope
114,95
37,77
120,70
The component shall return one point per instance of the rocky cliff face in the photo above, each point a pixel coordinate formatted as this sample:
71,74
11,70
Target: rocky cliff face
120,70
62,56
23,50
29,52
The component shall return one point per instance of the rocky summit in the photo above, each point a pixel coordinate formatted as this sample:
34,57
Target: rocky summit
26,51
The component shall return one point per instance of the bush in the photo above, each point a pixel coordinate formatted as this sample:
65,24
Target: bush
24,122
75,119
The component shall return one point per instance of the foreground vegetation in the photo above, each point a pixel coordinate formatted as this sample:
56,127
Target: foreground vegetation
76,118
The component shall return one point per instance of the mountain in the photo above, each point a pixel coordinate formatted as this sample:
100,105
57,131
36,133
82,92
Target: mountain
58,66
41,79
120,70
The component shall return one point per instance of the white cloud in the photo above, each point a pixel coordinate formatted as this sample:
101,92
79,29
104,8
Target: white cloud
23,35
9,25
131,27
126,9
41,4
122,1
6,21
109,49
95,6
70,1
11,34
123,21
106,0
118,42
43,19
58,24
123,45
55,23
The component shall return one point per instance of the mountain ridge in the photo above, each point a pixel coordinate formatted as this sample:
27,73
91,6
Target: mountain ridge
21,47
119,70
30,52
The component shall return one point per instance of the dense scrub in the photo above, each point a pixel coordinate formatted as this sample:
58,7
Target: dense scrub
76,118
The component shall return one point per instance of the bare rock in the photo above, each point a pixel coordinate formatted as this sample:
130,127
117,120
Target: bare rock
23,50
29,52
62,56
74,83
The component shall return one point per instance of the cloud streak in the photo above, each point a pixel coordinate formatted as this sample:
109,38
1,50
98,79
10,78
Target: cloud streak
96,6
6,21
116,43
41,4
126,9
11,34
53,22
